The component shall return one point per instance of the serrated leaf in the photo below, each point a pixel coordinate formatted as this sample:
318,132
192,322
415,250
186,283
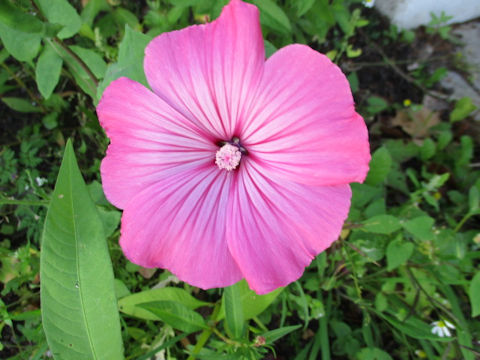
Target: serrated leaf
273,16
130,304
61,12
176,315
233,310
380,166
474,294
382,224
130,60
79,311
252,304
47,71
398,253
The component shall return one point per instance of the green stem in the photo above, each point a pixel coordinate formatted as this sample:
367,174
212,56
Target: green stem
205,335
463,221
24,202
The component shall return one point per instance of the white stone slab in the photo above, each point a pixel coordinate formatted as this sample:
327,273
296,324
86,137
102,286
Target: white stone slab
408,14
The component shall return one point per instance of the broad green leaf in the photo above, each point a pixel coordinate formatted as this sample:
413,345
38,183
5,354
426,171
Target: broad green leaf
130,60
131,304
110,219
92,59
274,335
20,33
398,252
47,71
420,227
428,149
381,224
91,10
22,46
474,294
372,354
233,310
61,12
20,105
376,105
121,289
252,304
273,16
176,315
463,108
380,166
79,310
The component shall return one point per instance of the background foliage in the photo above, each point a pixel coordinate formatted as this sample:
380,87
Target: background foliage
406,263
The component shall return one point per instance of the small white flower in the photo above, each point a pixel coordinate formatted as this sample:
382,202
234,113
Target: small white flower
368,3
441,328
40,181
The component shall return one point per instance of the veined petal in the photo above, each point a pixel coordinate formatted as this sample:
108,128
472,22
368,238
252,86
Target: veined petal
179,224
303,125
209,72
148,140
276,227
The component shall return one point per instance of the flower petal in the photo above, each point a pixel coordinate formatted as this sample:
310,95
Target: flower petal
276,227
148,140
303,125
207,72
179,224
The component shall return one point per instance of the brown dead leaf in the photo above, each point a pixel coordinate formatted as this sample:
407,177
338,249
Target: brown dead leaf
416,123
146,273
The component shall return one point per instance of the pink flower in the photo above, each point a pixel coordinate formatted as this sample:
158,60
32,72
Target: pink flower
233,166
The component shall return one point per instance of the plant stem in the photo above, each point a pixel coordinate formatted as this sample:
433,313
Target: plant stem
24,202
205,335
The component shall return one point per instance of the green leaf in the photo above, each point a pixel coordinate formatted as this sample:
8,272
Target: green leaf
252,304
303,6
382,224
81,76
474,294
414,328
20,33
473,199
463,108
420,227
110,220
428,149
130,304
79,311
92,59
274,335
130,60
61,12
380,166
398,252
233,310
22,46
372,354
47,71
273,16
270,49
376,105
20,105
176,315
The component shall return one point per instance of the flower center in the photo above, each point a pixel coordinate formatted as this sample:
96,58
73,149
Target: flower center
228,157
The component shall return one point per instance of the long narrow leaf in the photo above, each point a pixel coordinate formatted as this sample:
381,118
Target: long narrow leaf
79,310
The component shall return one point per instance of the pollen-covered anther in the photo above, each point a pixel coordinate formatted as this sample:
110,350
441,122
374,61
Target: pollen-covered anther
228,157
